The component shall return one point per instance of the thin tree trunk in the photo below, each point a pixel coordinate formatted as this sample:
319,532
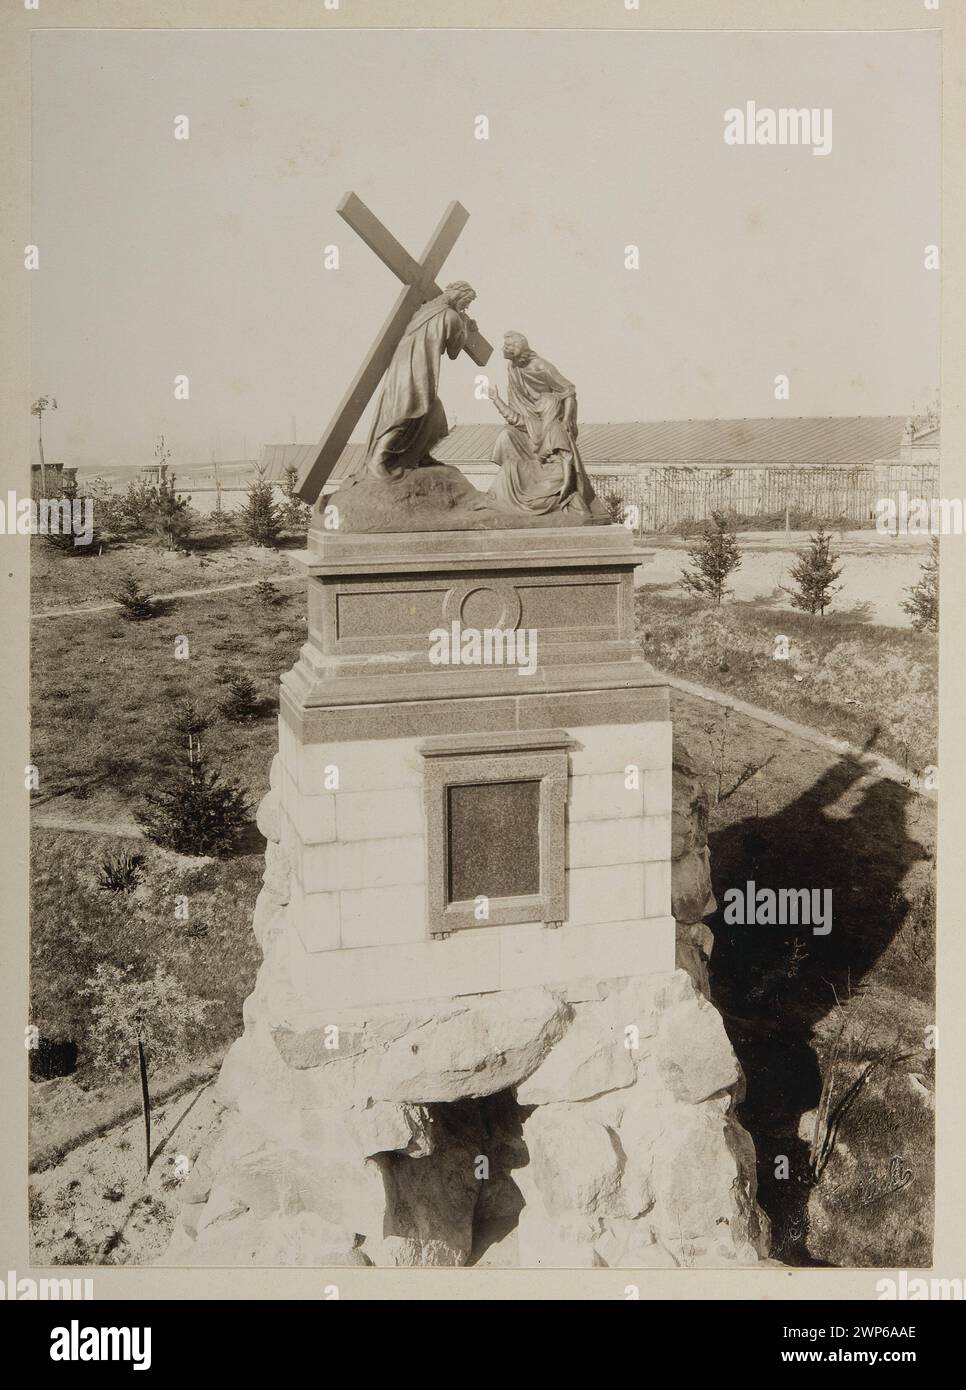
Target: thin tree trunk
43,467
145,1107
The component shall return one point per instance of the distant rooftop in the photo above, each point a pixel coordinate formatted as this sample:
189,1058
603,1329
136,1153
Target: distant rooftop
842,439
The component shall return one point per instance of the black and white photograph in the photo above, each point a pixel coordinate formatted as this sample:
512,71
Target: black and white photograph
484,509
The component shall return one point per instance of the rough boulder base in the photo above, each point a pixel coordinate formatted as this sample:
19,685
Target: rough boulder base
435,497
590,1125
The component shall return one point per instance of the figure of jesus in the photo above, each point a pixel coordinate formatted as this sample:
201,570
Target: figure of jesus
540,467
409,418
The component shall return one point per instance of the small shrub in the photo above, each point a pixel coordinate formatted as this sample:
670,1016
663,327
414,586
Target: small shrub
136,604
295,514
137,504
922,605
140,1020
64,540
241,701
185,805
614,503
193,810
120,873
815,575
108,504
266,591
715,556
188,719
172,521
260,520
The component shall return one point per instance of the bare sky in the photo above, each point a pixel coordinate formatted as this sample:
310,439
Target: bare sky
205,256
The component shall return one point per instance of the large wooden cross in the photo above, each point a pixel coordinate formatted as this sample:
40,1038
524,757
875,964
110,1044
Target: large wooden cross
419,285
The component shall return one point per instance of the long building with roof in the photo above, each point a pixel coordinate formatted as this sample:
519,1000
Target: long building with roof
840,440
668,473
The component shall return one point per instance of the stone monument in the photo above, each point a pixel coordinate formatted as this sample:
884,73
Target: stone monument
477,1034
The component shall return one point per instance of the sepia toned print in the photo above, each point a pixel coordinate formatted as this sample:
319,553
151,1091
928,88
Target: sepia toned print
484,706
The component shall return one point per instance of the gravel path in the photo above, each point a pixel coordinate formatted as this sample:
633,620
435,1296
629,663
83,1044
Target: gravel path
176,593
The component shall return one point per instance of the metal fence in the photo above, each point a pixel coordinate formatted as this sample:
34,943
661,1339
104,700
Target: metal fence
676,496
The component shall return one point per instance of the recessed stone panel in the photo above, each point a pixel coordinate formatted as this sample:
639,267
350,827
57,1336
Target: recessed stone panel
493,840
388,613
589,606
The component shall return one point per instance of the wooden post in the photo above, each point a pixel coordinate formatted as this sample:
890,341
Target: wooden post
145,1107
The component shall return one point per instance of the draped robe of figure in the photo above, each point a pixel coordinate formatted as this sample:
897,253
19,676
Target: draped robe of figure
532,449
409,418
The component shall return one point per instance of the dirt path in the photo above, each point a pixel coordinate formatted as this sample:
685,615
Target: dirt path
876,765
175,593
125,830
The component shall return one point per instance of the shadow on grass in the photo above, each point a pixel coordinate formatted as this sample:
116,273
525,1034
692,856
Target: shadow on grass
861,612
773,599
774,984
202,541
163,1143
145,1203
668,587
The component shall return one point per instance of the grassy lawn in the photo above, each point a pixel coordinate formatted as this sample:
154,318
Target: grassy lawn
102,692
76,924
850,679
103,689
57,581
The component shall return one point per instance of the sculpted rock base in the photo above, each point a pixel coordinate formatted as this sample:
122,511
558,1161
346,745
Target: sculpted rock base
598,1153
584,1125
434,497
